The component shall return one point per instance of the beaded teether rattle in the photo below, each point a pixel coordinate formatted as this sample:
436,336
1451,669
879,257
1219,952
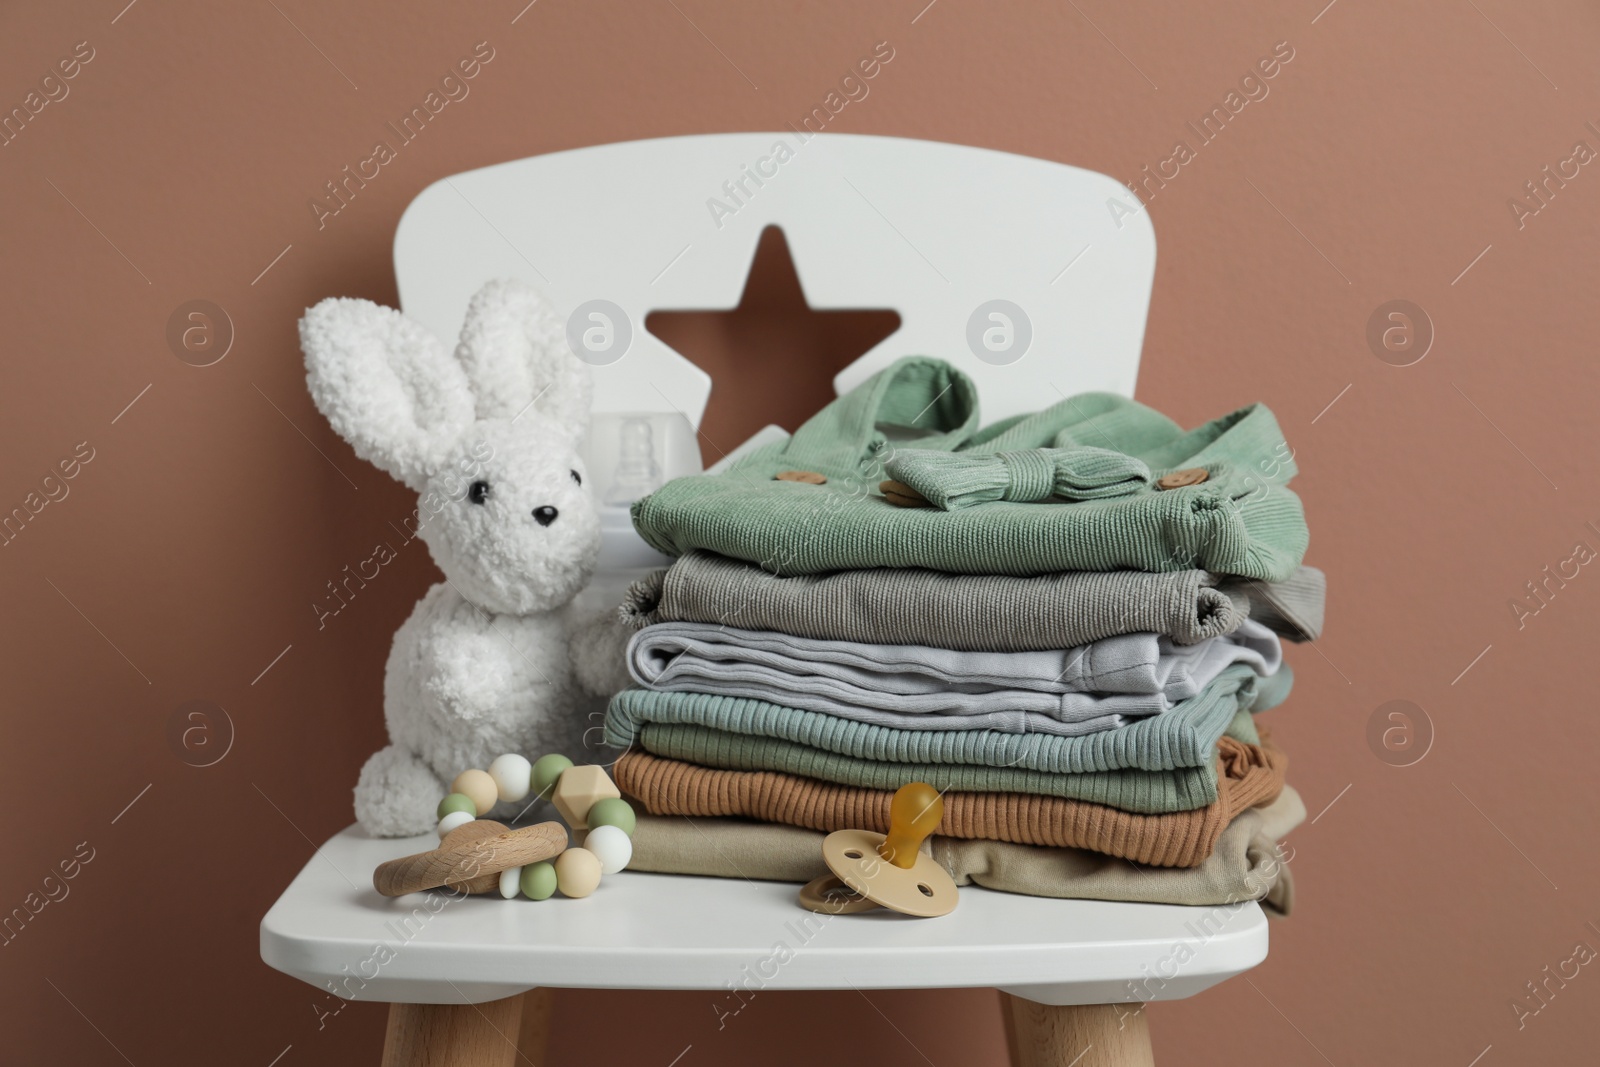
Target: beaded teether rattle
877,870
478,855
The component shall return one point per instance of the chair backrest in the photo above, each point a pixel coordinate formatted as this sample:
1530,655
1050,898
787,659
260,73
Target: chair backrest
1033,277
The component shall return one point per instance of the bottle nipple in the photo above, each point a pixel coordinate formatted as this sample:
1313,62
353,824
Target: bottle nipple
637,473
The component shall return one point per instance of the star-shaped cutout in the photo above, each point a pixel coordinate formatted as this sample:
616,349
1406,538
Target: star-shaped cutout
772,359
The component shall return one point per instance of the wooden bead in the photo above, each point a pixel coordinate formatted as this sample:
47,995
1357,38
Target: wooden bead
465,859
464,835
478,786
577,872
510,882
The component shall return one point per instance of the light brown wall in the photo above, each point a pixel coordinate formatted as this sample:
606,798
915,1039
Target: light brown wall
214,510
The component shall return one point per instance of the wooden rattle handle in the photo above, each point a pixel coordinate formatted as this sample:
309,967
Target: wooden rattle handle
914,813
466,860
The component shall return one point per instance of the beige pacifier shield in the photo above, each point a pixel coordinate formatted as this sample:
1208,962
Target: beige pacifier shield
923,889
832,897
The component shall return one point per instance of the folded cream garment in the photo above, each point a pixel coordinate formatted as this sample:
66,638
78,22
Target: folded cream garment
1096,686
1246,864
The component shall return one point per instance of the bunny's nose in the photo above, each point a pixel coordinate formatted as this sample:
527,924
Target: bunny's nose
545,516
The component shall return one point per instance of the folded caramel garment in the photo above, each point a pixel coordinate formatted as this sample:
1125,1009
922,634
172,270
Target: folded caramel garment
1247,864
1248,775
973,612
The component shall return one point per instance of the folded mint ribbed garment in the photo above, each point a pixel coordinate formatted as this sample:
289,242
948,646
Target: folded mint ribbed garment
1242,520
1183,737
1144,792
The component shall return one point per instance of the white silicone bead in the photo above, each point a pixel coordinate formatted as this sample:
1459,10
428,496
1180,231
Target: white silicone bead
513,776
453,820
577,872
611,847
510,882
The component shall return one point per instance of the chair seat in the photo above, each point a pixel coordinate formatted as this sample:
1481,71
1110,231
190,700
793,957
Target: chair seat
652,931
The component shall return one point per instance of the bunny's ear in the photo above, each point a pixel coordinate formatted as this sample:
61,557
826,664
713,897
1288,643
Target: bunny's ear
514,351
386,385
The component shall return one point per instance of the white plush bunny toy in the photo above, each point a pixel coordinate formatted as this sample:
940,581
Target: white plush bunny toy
489,436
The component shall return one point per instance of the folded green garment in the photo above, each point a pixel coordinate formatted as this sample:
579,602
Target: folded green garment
1141,792
1185,736
952,480
1240,520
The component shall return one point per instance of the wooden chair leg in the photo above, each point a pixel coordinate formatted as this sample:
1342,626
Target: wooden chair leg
453,1035
1088,1035
535,1034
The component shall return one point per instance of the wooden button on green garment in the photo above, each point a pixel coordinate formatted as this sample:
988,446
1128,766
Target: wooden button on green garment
1179,479
808,477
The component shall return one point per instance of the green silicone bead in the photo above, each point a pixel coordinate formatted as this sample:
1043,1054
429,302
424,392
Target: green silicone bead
613,811
546,769
539,881
457,802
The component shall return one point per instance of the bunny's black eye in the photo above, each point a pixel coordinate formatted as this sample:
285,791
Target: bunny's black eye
478,492
576,477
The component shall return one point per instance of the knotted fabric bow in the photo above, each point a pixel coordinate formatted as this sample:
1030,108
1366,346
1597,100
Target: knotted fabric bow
954,480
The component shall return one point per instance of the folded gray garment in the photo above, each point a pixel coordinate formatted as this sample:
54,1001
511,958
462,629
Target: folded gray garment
1093,687
1246,865
1292,608
994,613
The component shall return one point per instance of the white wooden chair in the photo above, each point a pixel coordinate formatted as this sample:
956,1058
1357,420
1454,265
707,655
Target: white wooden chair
939,233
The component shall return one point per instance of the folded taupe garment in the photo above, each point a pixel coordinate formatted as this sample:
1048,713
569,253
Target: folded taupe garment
1098,686
974,612
1247,864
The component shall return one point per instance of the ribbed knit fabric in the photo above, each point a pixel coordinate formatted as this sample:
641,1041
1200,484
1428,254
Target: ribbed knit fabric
1146,792
1248,775
954,480
1242,520
1185,736
983,613
1245,865
1292,608
1099,686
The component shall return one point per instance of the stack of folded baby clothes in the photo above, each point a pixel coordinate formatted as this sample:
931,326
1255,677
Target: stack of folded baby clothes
1063,621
